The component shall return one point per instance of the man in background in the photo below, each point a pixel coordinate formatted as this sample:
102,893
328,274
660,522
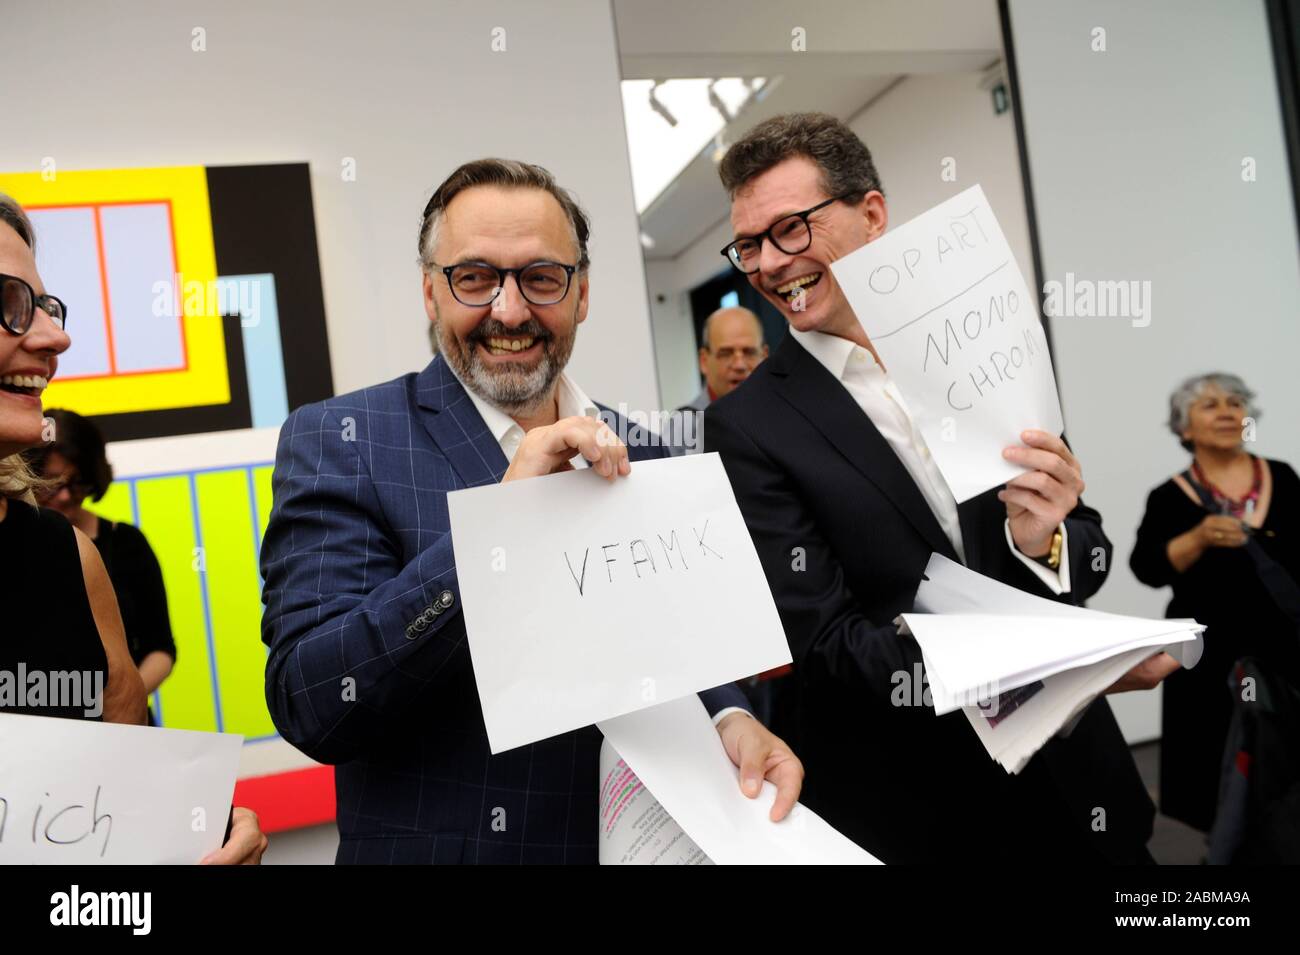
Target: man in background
731,347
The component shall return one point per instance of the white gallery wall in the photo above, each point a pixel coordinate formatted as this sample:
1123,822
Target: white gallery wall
409,89
1136,155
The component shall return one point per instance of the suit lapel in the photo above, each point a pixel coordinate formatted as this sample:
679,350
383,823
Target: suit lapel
827,405
456,426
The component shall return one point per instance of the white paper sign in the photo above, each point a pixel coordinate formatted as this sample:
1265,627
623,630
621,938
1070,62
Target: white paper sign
585,600
947,309
75,792
675,750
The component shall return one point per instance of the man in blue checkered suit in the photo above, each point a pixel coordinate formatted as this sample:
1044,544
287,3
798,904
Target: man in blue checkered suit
369,668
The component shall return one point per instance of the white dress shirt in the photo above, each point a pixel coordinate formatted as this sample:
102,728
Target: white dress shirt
571,402
875,393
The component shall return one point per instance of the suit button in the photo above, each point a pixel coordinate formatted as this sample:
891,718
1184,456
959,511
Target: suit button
411,633
445,599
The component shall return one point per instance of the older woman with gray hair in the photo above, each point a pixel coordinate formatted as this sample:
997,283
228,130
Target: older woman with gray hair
1223,535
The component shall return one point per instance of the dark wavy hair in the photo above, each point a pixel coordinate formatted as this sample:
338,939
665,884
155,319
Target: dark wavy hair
847,168
78,440
510,173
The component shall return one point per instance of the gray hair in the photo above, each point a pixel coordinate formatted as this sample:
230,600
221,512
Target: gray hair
12,215
847,168
510,173
1181,401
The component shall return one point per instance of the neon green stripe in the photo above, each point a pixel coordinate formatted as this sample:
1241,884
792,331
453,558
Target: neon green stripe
115,505
226,520
167,520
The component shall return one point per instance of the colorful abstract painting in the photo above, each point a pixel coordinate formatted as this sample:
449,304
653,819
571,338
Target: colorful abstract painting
197,322
183,285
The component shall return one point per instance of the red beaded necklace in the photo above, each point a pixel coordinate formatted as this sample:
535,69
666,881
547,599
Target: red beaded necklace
1226,504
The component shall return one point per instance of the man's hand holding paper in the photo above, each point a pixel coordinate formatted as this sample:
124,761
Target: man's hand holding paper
1041,498
551,448
761,754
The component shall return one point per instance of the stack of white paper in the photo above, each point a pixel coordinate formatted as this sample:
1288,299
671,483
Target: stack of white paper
1022,667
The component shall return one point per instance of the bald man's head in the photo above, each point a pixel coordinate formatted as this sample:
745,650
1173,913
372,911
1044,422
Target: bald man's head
732,348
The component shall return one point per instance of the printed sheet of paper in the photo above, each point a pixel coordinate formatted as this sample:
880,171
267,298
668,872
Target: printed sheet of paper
1012,731
585,600
635,828
948,311
676,751
84,793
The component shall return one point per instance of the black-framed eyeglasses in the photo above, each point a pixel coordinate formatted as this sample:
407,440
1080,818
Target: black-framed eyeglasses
791,234
77,488
19,302
475,284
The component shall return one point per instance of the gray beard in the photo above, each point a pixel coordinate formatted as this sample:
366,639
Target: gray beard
513,387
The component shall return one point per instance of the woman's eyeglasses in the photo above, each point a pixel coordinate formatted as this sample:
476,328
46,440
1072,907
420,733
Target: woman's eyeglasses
19,302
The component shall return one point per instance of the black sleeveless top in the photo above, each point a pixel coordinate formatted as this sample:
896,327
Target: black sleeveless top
138,582
52,661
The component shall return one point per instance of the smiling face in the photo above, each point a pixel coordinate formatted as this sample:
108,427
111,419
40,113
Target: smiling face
1215,419
510,352
28,361
793,185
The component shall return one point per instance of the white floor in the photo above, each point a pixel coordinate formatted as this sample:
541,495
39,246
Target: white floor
315,845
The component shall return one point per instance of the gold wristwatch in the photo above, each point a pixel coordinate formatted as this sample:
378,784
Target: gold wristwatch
1053,558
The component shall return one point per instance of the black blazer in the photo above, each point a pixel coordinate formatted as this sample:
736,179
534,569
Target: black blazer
844,535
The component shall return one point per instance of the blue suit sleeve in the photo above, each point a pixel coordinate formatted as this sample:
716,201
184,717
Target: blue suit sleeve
721,697
354,634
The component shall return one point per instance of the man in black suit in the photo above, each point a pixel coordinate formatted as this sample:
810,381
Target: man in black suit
845,505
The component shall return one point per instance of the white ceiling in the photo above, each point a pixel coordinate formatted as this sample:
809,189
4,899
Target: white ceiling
855,50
